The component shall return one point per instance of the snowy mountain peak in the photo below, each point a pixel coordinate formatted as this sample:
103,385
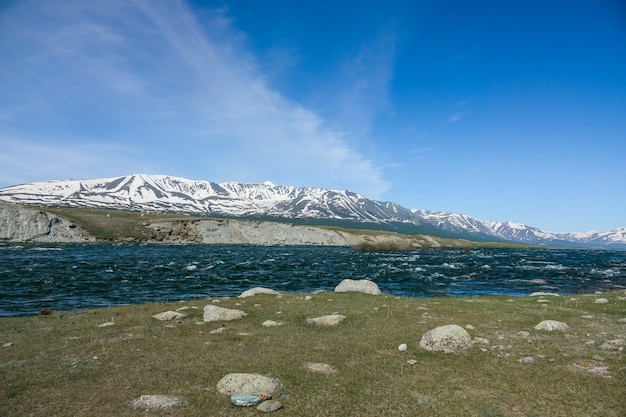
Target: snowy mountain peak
163,193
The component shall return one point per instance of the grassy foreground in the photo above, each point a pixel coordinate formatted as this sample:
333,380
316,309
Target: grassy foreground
65,365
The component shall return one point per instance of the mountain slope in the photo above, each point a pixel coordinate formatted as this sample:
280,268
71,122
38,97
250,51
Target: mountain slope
161,193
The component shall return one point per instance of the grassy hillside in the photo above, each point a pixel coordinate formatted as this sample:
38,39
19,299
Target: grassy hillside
65,364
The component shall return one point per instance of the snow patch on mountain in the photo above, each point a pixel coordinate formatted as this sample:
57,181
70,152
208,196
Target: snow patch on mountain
162,193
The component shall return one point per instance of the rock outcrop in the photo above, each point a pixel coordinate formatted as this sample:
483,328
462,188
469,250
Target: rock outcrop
27,224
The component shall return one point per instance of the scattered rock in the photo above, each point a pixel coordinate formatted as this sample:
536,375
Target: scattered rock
322,368
169,315
529,360
248,384
7,344
480,341
552,325
615,344
308,298
601,301
469,327
46,311
402,348
218,330
411,361
329,320
215,313
107,324
241,400
363,285
544,294
448,339
269,406
272,323
157,401
622,320
595,368
258,290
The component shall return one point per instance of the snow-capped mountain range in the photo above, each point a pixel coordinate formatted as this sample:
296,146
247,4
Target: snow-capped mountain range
161,193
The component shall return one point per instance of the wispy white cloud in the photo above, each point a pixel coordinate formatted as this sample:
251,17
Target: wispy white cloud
161,88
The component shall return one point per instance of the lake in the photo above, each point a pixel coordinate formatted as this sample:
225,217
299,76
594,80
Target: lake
69,277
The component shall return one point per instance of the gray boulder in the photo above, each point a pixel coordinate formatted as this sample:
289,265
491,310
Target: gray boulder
447,339
248,384
363,285
215,313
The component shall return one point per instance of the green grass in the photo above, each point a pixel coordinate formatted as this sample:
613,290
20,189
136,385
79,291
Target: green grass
64,364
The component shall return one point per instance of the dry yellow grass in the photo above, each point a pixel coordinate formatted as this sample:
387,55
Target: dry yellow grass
65,365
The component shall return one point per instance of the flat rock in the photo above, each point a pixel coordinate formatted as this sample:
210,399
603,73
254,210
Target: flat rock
248,384
447,339
241,400
215,313
329,320
157,401
321,368
272,323
552,325
269,406
364,285
544,294
169,315
601,301
258,290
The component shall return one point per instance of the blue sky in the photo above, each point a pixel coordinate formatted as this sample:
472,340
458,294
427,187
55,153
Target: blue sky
495,109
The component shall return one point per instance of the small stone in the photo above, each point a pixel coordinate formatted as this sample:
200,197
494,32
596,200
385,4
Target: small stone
329,320
7,344
552,325
523,334
272,323
218,330
615,344
544,294
157,401
411,361
308,298
480,341
107,324
529,360
241,400
269,406
469,327
169,315
601,301
402,348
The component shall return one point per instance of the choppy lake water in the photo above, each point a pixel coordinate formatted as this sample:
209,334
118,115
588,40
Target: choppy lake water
79,276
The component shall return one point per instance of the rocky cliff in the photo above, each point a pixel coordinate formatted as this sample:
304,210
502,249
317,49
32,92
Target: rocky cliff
26,224
20,223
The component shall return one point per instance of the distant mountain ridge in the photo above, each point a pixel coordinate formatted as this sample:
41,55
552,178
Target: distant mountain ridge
309,205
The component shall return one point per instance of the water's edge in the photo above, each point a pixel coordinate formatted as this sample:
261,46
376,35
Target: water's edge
69,277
